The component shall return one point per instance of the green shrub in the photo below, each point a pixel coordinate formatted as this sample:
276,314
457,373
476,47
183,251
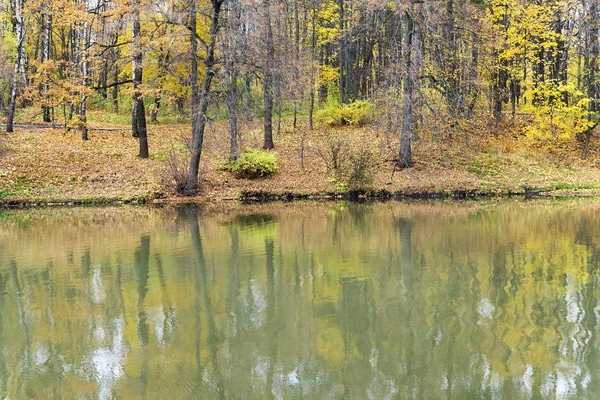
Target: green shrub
357,113
253,164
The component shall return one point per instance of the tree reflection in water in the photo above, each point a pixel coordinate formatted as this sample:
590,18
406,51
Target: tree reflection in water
394,300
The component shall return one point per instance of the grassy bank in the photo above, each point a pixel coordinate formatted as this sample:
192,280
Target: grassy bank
47,167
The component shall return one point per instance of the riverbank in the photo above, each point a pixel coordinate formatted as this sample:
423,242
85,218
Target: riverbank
45,167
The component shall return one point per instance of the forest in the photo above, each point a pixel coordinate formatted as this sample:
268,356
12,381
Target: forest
354,86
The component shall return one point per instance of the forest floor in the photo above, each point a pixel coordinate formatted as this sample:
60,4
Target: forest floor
51,166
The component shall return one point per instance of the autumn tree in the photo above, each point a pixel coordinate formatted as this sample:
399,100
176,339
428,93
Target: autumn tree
200,95
139,111
19,70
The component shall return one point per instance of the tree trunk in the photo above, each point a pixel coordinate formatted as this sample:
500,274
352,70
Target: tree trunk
46,22
297,59
19,21
231,70
200,97
163,59
115,91
248,93
311,108
452,67
342,50
268,75
138,115
84,69
413,58
591,68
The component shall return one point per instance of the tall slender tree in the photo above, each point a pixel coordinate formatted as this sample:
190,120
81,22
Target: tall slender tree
268,89
19,70
139,111
412,52
200,96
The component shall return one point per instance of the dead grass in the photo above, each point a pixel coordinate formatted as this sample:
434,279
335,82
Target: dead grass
51,164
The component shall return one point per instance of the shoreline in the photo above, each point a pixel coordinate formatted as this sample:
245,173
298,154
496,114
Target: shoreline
262,197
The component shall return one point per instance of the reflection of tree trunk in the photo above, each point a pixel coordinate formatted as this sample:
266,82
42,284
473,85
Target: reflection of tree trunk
119,288
197,310
297,278
3,371
49,313
166,301
234,284
202,289
86,264
22,314
142,260
270,314
405,227
355,311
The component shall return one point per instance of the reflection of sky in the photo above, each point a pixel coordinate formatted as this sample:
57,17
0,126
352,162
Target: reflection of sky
107,362
164,324
97,288
254,305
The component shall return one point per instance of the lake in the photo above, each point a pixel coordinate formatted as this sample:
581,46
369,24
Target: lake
423,300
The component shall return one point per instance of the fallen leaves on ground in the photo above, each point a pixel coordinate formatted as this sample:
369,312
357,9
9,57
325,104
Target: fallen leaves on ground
57,165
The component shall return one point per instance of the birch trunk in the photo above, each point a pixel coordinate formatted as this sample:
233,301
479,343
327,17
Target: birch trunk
84,69
19,61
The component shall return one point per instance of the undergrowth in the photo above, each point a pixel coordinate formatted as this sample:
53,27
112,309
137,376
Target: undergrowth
253,164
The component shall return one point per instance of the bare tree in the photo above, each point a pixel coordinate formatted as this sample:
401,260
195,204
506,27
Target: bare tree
231,50
200,96
591,66
412,51
268,76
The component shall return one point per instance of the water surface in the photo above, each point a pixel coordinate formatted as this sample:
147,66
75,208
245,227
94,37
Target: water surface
395,300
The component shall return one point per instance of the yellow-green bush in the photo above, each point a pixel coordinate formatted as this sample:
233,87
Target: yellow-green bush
357,113
253,164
